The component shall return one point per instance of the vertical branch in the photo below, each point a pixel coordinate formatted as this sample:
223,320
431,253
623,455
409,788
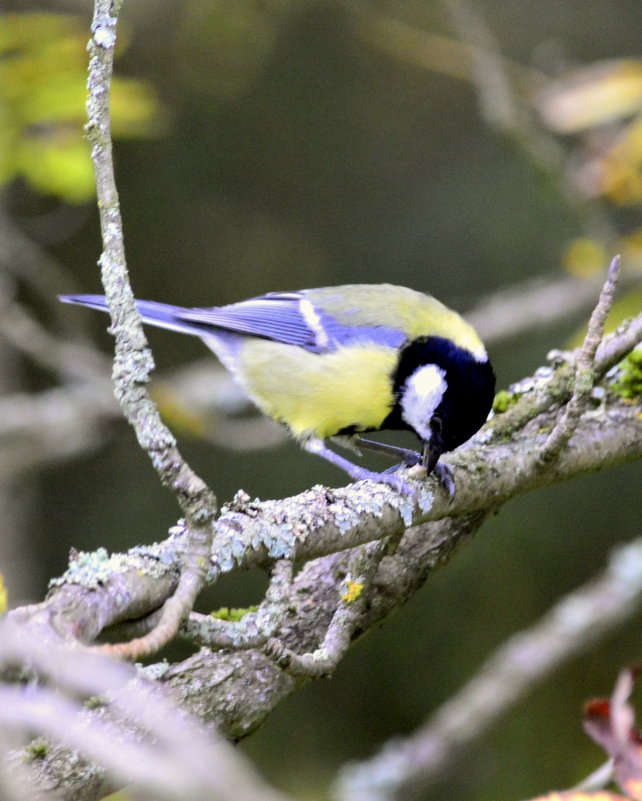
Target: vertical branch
133,361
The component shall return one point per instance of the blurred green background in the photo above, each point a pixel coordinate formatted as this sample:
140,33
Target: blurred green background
285,144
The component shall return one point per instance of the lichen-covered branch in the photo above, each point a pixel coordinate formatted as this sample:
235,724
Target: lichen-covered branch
235,691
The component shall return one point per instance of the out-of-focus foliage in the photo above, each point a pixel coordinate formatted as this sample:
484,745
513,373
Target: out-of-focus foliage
578,795
601,105
229,41
611,723
603,102
43,68
584,257
3,596
594,95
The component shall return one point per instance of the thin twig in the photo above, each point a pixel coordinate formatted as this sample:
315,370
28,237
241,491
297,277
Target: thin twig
133,361
585,373
615,348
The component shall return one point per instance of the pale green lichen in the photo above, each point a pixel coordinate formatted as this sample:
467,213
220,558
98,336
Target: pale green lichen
155,671
425,499
89,568
629,381
232,614
504,400
37,749
96,702
344,517
94,569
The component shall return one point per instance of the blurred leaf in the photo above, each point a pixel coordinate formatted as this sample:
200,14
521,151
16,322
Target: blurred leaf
591,96
631,247
611,723
599,99
230,41
43,65
57,163
621,166
175,412
584,257
575,795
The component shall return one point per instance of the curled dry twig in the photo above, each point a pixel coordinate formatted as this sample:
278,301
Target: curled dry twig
65,684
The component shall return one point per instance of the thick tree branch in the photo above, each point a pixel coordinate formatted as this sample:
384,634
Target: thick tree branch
236,691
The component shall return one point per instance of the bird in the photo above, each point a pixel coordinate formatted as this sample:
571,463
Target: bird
334,363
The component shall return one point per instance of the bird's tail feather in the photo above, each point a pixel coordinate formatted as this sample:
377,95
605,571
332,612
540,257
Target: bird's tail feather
162,315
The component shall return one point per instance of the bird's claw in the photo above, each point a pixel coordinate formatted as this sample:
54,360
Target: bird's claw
397,482
390,477
441,471
444,475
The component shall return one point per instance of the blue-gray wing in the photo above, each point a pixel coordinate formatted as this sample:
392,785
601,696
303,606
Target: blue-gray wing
277,316
287,317
291,318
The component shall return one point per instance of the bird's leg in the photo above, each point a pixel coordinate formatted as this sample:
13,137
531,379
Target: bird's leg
409,458
318,447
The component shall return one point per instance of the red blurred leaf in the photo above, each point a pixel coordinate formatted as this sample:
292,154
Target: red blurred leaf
611,723
575,795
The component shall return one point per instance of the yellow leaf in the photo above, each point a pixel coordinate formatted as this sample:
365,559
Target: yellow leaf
592,96
584,257
43,65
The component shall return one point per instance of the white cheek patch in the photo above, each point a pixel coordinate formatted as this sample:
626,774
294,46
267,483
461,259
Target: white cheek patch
421,395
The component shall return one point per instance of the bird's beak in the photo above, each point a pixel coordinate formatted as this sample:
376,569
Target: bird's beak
430,453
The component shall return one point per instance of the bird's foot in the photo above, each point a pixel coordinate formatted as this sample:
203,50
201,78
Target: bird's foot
444,475
392,478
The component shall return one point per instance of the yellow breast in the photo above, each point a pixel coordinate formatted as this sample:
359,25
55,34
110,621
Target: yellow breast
319,394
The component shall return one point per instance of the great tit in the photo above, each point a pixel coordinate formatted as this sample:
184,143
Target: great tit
336,362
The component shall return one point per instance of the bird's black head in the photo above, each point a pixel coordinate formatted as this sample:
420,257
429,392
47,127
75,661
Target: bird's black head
442,393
